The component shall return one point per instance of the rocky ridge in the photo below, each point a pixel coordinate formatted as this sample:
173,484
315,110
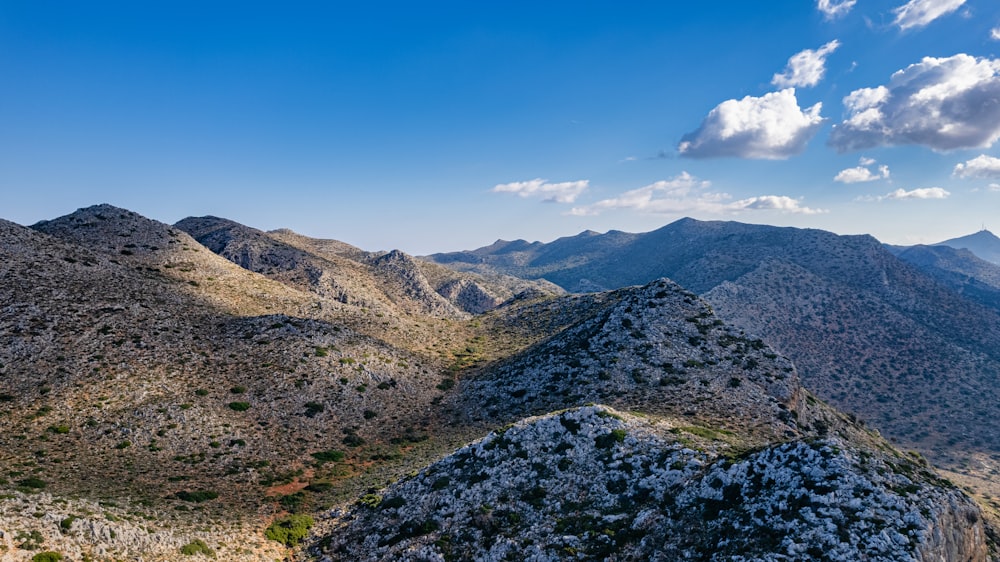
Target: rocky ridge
656,348
389,283
593,483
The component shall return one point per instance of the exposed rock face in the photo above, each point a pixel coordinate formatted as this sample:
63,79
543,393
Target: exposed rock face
332,276
402,275
469,296
389,283
597,484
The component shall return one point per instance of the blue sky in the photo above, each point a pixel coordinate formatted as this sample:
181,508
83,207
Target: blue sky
439,126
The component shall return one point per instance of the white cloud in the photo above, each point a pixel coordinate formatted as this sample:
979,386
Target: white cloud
862,173
564,192
918,13
770,127
920,193
941,103
805,68
995,33
833,9
685,194
661,197
776,202
994,187
981,166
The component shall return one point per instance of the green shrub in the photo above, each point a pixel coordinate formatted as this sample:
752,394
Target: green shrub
608,439
60,429
201,392
32,482
239,406
313,409
197,546
65,524
353,440
47,556
238,389
289,530
370,500
197,496
328,456
393,502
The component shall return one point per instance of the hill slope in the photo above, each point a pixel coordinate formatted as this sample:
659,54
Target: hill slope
596,484
154,394
959,269
857,321
390,283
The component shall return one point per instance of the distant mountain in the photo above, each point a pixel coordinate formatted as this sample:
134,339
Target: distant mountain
984,244
960,269
868,331
386,282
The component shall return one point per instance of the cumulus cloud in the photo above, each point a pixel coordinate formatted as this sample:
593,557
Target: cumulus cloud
805,68
918,13
862,173
781,203
995,33
920,193
664,196
941,103
771,127
563,192
981,166
994,187
685,194
833,9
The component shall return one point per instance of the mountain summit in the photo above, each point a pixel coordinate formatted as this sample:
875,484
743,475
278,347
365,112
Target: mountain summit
984,244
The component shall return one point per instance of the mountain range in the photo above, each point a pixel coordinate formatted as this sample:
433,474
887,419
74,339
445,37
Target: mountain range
210,389
907,343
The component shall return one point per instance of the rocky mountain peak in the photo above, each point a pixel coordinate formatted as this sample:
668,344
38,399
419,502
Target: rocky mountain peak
654,348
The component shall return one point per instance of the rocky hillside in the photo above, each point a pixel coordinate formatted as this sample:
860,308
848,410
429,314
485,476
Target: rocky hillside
959,269
159,401
390,283
596,484
655,349
870,332
138,368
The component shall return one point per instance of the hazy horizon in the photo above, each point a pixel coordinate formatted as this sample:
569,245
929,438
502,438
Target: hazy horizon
446,126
